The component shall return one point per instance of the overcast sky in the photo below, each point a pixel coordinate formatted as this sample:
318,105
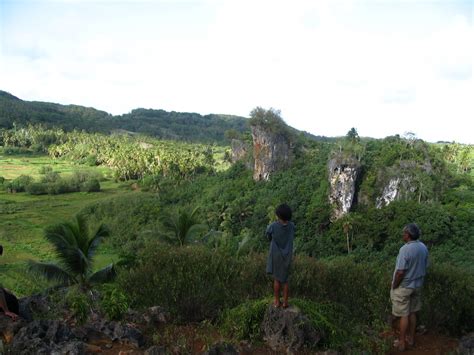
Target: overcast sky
382,66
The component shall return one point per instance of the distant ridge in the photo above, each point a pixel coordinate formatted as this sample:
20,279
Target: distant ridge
191,127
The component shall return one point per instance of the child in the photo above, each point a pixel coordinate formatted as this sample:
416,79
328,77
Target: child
280,234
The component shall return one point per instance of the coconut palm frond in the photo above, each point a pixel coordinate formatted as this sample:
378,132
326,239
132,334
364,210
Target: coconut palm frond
102,232
51,272
196,230
105,274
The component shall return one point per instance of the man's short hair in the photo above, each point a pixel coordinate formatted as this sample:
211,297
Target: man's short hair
413,231
283,212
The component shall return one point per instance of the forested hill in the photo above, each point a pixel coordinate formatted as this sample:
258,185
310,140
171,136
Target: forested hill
159,123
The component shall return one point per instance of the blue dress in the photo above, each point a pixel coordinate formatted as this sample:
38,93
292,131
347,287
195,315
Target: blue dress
281,249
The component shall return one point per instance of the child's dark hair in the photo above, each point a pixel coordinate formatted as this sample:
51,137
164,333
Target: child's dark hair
283,212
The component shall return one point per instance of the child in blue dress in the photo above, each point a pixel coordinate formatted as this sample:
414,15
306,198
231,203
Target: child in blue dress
280,234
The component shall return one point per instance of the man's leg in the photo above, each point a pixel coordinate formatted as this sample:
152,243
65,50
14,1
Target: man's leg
411,329
285,295
276,292
403,332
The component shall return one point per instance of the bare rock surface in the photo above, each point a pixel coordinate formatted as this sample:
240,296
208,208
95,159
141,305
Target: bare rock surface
289,329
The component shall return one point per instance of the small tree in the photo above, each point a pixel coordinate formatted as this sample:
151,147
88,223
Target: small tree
182,226
75,249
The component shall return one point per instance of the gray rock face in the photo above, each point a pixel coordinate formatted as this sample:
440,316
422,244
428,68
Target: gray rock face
271,153
397,188
288,329
46,337
240,150
466,345
343,175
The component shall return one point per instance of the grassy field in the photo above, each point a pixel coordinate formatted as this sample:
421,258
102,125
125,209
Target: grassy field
23,217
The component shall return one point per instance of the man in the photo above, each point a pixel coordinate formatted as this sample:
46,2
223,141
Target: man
410,271
8,302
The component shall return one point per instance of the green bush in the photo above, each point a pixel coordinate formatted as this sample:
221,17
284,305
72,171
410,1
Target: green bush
36,188
45,169
50,177
245,320
79,303
448,299
90,186
2,180
196,283
113,302
19,184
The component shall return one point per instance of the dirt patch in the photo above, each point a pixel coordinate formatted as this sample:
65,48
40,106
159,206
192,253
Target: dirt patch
430,343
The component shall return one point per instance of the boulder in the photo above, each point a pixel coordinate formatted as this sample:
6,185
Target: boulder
116,331
46,337
289,329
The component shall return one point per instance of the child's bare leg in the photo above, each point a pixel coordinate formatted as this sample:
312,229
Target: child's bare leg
285,294
276,293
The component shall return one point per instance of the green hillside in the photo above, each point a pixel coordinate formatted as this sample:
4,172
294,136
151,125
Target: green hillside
191,127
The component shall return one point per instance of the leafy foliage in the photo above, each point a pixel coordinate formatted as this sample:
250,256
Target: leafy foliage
76,250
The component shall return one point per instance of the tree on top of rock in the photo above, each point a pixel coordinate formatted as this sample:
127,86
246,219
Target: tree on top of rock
270,120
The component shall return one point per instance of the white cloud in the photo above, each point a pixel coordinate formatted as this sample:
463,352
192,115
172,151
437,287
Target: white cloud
322,63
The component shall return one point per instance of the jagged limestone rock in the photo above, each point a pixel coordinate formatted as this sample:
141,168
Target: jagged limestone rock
398,188
240,150
289,329
343,174
271,152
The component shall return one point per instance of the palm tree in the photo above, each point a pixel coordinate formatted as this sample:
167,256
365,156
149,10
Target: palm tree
182,226
75,249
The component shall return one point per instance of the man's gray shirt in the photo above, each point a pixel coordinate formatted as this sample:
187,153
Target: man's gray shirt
413,259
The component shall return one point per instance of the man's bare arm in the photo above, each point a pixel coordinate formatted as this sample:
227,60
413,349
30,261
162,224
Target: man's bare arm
398,278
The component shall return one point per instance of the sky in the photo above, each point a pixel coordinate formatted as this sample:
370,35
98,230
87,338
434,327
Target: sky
384,67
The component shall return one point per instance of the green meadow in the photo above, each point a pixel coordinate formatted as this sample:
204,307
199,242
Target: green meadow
23,217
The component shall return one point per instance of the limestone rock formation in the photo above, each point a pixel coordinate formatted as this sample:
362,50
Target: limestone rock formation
397,188
401,182
271,152
343,174
288,329
240,150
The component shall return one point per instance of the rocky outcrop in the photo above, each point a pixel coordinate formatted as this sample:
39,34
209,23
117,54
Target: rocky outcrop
222,348
401,181
397,188
239,150
289,329
271,151
65,336
343,174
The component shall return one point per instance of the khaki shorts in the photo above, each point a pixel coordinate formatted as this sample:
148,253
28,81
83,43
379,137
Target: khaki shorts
405,301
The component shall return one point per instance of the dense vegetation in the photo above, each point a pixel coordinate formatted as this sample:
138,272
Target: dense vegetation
158,123
190,235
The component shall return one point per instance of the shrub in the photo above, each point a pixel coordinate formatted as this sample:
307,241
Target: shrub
447,299
19,184
36,188
2,180
113,301
245,320
44,169
50,177
90,186
79,303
